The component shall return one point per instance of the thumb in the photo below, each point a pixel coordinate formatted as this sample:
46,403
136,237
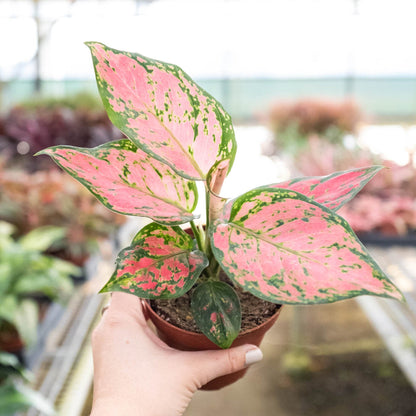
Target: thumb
215,363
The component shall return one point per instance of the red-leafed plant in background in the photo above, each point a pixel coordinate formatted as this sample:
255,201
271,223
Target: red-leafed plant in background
282,242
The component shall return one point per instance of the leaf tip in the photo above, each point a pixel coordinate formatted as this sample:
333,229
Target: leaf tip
48,151
91,44
398,295
42,152
105,289
377,168
226,344
395,294
95,47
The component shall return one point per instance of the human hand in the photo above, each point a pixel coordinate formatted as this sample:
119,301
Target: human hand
135,373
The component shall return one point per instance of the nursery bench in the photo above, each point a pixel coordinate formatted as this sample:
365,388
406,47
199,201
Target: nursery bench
396,322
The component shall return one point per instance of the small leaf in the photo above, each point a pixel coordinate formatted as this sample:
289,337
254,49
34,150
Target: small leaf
333,190
16,397
50,276
10,366
8,308
36,400
163,111
26,321
129,181
160,263
286,248
6,229
12,400
216,310
42,238
9,360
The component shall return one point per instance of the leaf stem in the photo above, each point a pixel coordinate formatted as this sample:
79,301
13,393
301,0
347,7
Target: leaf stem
207,197
213,267
198,236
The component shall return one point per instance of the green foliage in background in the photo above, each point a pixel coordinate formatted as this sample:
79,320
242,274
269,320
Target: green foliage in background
25,271
15,395
294,123
79,101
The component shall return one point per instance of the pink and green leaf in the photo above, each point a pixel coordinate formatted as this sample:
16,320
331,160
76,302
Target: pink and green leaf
163,111
161,263
333,190
286,248
216,310
129,181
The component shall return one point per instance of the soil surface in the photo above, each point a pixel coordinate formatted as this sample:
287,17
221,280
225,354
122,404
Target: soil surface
254,311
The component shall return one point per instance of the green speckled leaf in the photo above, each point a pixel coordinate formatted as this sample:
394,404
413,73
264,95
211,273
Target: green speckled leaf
161,262
333,190
163,111
286,248
129,181
216,310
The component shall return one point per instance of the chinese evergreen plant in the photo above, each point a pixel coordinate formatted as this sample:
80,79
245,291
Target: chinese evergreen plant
282,242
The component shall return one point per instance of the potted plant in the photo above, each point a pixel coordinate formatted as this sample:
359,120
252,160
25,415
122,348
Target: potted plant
294,123
282,243
15,395
26,273
36,124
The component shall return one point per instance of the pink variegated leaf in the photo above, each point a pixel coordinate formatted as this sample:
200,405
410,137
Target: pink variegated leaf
216,309
164,112
129,181
286,248
160,263
333,190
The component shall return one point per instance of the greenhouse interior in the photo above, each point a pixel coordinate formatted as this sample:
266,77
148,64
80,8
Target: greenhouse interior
217,164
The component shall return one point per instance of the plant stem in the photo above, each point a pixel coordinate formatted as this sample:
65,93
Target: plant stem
198,236
207,245
207,197
214,204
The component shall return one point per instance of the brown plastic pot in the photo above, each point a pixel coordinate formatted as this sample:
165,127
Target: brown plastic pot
191,341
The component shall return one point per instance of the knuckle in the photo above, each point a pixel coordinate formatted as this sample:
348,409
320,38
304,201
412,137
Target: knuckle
113,321
233,361
108,324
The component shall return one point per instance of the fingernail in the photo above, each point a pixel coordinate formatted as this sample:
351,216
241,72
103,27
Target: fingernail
253,356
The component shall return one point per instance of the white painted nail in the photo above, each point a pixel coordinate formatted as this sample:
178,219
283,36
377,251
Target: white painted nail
253,356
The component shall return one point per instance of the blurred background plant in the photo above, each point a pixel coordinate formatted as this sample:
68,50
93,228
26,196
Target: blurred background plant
293,123
317,137
33,125
26,276
387,204
50,197
15,395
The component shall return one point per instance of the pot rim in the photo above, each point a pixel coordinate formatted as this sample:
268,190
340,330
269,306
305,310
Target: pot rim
268,322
